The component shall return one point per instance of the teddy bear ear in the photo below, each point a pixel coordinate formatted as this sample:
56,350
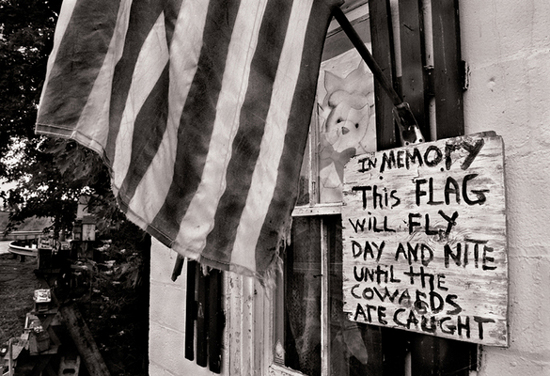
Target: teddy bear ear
356,101
332,82
360,80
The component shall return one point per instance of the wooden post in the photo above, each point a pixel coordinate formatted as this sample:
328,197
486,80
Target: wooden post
215,319
412,64
447,88
202,322
85,344
447,76
10,357
382,40
190,310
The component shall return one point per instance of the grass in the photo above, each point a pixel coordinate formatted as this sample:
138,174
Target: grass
17,285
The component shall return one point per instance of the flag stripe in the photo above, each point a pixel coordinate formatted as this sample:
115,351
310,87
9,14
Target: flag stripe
197,119
185,52
67,8
246,145
290,164
200,109
265,175
77,63
96,111
171,10
144,116
143,16
198,219
146,141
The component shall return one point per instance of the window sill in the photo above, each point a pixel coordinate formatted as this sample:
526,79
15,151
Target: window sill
277,370
318,209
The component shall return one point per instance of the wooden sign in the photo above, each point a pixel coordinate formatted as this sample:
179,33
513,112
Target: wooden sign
424,239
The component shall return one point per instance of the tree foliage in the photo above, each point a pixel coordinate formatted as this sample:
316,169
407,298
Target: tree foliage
26,37
52,176
50,173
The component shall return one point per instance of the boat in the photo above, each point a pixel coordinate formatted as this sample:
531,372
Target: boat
20,249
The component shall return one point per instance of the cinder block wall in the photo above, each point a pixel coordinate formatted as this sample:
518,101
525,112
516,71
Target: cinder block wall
507,46
167,318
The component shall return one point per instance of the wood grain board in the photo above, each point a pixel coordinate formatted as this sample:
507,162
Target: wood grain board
424,239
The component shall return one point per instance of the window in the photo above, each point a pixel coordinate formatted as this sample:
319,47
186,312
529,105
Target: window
318,339
311,334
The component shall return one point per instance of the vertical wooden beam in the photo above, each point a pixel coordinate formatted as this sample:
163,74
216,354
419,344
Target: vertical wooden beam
412,62
279,317
325,309
215,318
247,327
234,302
228,313
241,344
394,347
373,342
190,310
84,341
440,356
382,42
11,370
433,355
202,323
447,76
424,351
390,358
263,328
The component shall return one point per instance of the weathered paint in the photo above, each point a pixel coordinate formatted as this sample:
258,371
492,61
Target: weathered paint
424,239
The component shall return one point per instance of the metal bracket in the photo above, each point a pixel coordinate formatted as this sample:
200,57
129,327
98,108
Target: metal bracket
410,132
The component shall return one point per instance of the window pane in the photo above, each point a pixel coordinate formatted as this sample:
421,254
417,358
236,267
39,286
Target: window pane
354,349
345,119
303,297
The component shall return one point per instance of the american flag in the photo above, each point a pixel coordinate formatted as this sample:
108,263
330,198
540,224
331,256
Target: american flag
199,108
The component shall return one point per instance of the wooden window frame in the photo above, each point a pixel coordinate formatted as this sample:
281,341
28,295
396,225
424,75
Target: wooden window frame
438,75
357,13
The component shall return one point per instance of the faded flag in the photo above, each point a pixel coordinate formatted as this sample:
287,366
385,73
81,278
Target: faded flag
199,108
